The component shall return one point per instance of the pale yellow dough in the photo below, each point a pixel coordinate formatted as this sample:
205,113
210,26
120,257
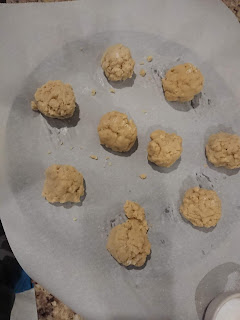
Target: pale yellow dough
182,82
117,63
223,150
164,148
55,99
202,207
63,183
117,132
128,242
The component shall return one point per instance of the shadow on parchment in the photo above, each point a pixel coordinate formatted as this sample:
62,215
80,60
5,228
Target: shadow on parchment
186,106
123,84
123,154
62,123
164,169
69,205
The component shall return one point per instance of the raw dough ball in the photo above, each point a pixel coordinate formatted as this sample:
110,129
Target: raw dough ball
117,132
63,183
223,150
55,99
201,207
117,63
182,82
128,242
164,148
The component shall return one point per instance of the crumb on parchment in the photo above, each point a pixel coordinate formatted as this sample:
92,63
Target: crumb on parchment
149,58
143,176
112,90
141,63
142,72
94,157
93,92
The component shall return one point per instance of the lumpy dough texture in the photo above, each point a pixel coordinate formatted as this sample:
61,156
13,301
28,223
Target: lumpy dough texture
55,99
223,150
201,207
117,63
117,132
164,148
63,183
128,242
182,82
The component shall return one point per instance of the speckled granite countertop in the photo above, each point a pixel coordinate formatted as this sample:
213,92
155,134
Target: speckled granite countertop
234,5
50,308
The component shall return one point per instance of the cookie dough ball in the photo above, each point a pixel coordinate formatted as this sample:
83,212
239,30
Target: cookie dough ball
117,132
117,63
55,99
223,150
201,207
182,82
63,183
128,242
164,148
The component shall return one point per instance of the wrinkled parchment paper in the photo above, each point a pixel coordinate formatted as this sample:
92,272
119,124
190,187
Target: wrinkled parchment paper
188,266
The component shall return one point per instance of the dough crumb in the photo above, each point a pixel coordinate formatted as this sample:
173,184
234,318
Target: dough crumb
107,158
94,157
109,163
128,242
63,183
202,207
144,111
117,132
49,152
71,148
141,63
149,58
143,176
164,149
93,92
142,72
55,99
112,90
117,63
61,143
223,150
182,82
74,219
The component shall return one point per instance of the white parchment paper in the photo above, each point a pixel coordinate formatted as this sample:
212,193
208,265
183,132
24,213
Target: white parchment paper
188,266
